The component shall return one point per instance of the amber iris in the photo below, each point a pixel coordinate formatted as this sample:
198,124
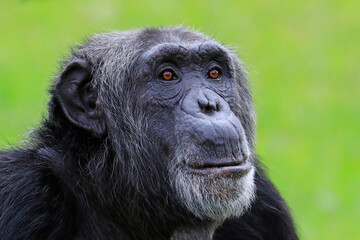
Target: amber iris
214,74
167,75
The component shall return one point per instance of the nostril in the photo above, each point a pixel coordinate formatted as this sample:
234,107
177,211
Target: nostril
207,109
217,107
205,103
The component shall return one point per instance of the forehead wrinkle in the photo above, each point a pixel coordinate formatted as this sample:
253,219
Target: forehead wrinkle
191,52
161,51
206,49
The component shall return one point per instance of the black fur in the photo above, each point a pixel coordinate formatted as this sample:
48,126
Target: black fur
98,166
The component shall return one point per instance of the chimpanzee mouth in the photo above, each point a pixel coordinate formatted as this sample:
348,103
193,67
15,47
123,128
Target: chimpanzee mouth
220,167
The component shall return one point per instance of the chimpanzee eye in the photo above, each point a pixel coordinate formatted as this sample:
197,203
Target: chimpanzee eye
168,75
214,73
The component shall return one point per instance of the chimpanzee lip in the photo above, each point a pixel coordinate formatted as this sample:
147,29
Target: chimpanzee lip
226,168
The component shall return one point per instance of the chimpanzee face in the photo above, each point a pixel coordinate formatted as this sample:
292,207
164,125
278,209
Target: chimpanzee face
189,93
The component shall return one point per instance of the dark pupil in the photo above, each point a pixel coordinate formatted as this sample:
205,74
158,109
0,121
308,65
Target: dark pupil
214,73
167,75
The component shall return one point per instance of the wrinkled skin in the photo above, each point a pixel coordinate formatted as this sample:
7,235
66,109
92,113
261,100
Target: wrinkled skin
150,135
194,121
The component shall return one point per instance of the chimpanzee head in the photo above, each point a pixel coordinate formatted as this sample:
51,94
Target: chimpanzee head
174,110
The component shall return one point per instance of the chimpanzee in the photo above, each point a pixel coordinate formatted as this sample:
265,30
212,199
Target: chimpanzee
149,135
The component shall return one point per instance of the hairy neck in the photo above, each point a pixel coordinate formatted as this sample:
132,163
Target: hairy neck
112,199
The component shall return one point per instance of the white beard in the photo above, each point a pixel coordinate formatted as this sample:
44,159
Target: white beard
214,197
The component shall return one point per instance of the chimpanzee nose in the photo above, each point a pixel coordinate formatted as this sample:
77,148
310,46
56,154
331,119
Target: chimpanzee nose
204,103
208,104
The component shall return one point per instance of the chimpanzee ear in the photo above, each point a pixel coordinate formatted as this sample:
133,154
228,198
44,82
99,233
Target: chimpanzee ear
78,99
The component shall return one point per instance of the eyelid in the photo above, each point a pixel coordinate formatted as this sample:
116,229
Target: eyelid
214,67
170,69
213,64
166,68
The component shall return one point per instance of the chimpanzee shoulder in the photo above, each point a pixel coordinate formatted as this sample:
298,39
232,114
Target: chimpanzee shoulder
34,204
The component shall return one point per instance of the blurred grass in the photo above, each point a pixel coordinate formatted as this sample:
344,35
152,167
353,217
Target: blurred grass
303,59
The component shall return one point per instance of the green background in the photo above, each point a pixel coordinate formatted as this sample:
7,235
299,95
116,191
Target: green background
303,61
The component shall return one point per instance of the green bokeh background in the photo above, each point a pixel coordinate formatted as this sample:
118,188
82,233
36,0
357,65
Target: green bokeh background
303,61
